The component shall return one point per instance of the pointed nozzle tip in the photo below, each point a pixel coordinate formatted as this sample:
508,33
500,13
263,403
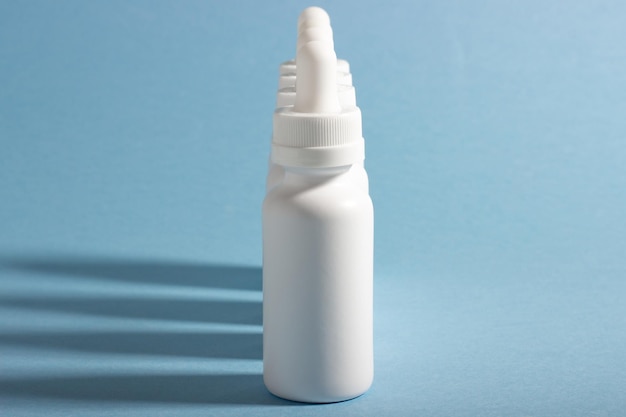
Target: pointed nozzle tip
313,16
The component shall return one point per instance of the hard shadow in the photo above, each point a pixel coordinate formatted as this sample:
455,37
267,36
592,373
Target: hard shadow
195,389
158,272
158,388
202,311
178,344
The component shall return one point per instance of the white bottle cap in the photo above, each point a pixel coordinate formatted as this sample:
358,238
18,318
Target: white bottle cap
317,131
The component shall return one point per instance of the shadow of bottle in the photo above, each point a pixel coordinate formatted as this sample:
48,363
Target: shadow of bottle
154,272
174,388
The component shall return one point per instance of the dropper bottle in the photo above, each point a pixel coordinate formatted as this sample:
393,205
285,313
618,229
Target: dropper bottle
317,242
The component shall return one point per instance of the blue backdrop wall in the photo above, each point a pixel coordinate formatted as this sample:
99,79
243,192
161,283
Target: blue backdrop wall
494,130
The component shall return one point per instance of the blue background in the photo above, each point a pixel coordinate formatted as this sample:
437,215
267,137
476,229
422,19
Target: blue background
133,150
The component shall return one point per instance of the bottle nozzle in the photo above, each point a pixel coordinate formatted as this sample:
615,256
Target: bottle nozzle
315,33
316,81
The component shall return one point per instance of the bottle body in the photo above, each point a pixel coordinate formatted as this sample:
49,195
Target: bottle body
318,285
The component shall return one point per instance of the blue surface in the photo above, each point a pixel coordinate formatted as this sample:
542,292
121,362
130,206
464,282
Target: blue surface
133,150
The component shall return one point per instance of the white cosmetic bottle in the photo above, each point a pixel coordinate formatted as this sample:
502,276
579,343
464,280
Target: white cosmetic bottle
317,241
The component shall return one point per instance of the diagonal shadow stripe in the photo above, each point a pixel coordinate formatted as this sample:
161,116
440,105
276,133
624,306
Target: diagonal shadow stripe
180,388
158,272
204,311
179,344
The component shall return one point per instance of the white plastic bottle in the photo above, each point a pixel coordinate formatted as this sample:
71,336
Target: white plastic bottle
317,242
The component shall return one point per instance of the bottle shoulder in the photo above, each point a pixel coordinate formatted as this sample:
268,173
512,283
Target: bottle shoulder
339,195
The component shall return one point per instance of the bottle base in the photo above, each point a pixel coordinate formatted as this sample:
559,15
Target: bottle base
314,398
